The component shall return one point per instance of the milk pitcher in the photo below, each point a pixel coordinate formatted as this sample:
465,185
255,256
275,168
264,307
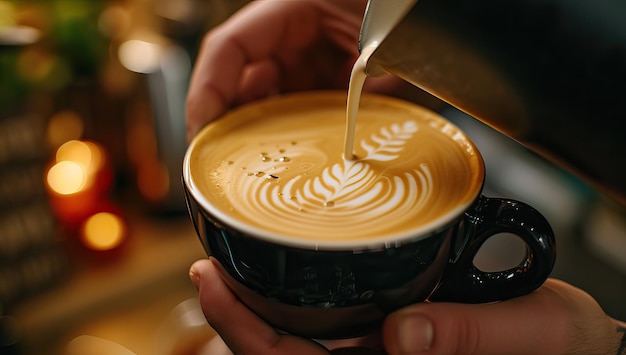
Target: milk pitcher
549,73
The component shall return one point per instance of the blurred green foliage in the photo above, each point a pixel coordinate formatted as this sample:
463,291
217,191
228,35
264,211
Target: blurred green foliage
70,47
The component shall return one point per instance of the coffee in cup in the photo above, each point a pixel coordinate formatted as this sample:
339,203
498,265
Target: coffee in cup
278,171
323,246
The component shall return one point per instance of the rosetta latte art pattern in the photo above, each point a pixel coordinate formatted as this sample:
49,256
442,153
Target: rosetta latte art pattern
349,195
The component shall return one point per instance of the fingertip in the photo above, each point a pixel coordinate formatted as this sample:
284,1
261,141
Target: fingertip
408,332
196,118
191,132
193,126
198,270
205,103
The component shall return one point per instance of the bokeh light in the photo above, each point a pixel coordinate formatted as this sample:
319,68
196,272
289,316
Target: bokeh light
64,126
77,163
87,154
103,231
114,21
66,177
140,56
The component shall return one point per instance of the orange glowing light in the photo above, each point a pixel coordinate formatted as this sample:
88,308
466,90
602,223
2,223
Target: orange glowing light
66,177
77,166
86,154
103,231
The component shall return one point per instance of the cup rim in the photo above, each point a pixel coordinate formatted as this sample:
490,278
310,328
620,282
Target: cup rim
369,244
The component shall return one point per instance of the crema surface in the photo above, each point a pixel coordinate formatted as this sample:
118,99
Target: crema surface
277,167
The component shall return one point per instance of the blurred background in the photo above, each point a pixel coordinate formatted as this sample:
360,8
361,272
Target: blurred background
95,242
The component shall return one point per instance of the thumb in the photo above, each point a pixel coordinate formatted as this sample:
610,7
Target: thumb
551,320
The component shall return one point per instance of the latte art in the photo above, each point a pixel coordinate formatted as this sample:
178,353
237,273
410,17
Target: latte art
346,196
278,168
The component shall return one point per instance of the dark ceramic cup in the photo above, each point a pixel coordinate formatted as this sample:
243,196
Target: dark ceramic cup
328,290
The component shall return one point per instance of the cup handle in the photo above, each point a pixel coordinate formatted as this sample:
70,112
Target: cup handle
464,282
